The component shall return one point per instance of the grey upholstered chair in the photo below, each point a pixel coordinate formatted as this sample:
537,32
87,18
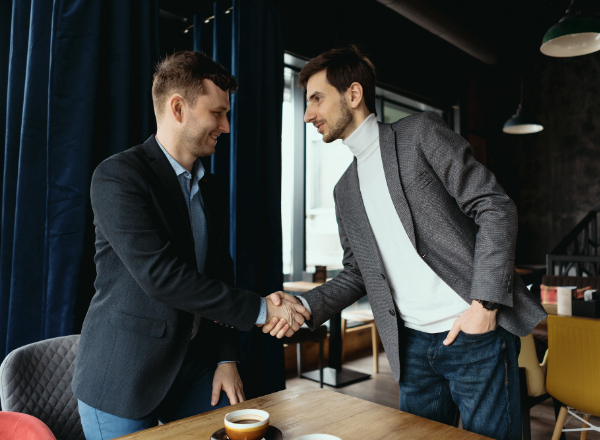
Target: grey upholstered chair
36,380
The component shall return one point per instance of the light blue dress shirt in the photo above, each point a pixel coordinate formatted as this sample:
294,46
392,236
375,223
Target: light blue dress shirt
195,204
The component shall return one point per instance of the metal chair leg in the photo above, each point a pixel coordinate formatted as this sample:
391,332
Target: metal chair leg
526,422
299,359
525,406
375,348
343,333
456,417
321,364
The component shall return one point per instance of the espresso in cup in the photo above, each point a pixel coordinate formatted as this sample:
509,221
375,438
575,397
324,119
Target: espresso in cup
247,424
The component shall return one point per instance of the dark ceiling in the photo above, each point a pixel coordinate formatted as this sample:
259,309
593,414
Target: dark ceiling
409,59
513,27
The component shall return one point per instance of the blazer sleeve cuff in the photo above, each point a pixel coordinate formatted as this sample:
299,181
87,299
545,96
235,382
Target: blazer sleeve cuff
495,284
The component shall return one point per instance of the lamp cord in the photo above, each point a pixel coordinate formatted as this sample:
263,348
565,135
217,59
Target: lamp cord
521,102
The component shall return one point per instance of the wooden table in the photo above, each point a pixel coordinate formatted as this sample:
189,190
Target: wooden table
334,375
302,410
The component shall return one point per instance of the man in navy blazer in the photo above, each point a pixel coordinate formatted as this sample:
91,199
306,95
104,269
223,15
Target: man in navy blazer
159,341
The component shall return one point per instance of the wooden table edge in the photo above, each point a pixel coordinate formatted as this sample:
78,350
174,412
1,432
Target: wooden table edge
182,429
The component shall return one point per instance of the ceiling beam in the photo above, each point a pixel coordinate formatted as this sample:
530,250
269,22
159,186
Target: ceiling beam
433,20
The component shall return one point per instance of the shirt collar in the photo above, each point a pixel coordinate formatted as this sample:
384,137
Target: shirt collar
364,135
198,168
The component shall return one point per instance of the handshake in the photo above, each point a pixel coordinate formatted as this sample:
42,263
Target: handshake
285,315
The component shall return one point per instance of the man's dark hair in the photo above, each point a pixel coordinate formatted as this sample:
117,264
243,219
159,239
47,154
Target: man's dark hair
344,66
183,72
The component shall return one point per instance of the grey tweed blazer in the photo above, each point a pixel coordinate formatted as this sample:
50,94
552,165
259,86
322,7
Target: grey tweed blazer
457,216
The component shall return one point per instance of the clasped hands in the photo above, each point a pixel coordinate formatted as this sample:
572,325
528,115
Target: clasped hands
285,315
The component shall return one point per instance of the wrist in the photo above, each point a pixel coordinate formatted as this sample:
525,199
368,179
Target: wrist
486,306
226,364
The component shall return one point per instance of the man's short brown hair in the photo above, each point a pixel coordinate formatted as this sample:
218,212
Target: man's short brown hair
344,66
183,72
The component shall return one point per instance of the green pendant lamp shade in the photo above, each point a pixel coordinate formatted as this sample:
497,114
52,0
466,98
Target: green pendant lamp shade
572,36
522,123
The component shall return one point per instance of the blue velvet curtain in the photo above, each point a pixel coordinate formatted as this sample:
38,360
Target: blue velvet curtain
78,90
5,16
255,172
249,42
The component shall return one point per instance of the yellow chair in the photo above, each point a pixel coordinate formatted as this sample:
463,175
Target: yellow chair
533,381
574,370
366,319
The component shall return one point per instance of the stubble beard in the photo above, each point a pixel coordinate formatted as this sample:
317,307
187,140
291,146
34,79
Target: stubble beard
195,141
342,123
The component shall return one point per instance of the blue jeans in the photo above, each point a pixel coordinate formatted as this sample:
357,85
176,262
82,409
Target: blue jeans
478,373
189,395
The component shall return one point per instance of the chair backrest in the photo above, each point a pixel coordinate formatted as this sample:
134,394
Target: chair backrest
536,372
18,426
573,359
36,380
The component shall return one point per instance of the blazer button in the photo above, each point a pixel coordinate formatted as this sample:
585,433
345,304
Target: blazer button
392,312
383,276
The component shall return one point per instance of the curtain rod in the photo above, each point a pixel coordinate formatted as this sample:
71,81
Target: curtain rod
174,17
207,20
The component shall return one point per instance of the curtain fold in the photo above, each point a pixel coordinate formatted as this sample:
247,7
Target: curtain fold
5,31
248,41
79,90
23,129
79,81
255,179
222,45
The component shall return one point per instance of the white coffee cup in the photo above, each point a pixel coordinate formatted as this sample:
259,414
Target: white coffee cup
247,424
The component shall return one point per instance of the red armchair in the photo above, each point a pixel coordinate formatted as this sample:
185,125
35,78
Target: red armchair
19,426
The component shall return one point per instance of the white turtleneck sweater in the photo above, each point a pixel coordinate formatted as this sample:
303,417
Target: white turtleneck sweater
426,303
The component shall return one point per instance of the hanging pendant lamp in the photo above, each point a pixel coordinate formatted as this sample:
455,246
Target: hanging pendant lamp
572,36
521,122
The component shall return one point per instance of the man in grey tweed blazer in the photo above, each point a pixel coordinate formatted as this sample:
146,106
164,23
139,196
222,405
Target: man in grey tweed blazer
429,235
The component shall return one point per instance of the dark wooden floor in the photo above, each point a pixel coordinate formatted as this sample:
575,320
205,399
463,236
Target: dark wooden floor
383,389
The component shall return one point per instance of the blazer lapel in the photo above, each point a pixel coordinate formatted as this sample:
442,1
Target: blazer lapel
356,222
390,158
210,209
165,173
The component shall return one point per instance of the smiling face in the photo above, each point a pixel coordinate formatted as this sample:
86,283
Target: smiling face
202,124
327,109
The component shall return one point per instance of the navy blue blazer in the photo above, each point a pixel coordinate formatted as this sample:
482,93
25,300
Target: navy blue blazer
138,326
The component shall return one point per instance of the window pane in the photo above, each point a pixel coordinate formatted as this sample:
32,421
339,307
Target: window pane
287,170
393,113
325,164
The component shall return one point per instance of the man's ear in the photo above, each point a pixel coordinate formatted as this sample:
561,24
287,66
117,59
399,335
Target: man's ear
356,95
175,106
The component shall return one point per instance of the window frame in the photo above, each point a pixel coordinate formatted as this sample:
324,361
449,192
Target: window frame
383,97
